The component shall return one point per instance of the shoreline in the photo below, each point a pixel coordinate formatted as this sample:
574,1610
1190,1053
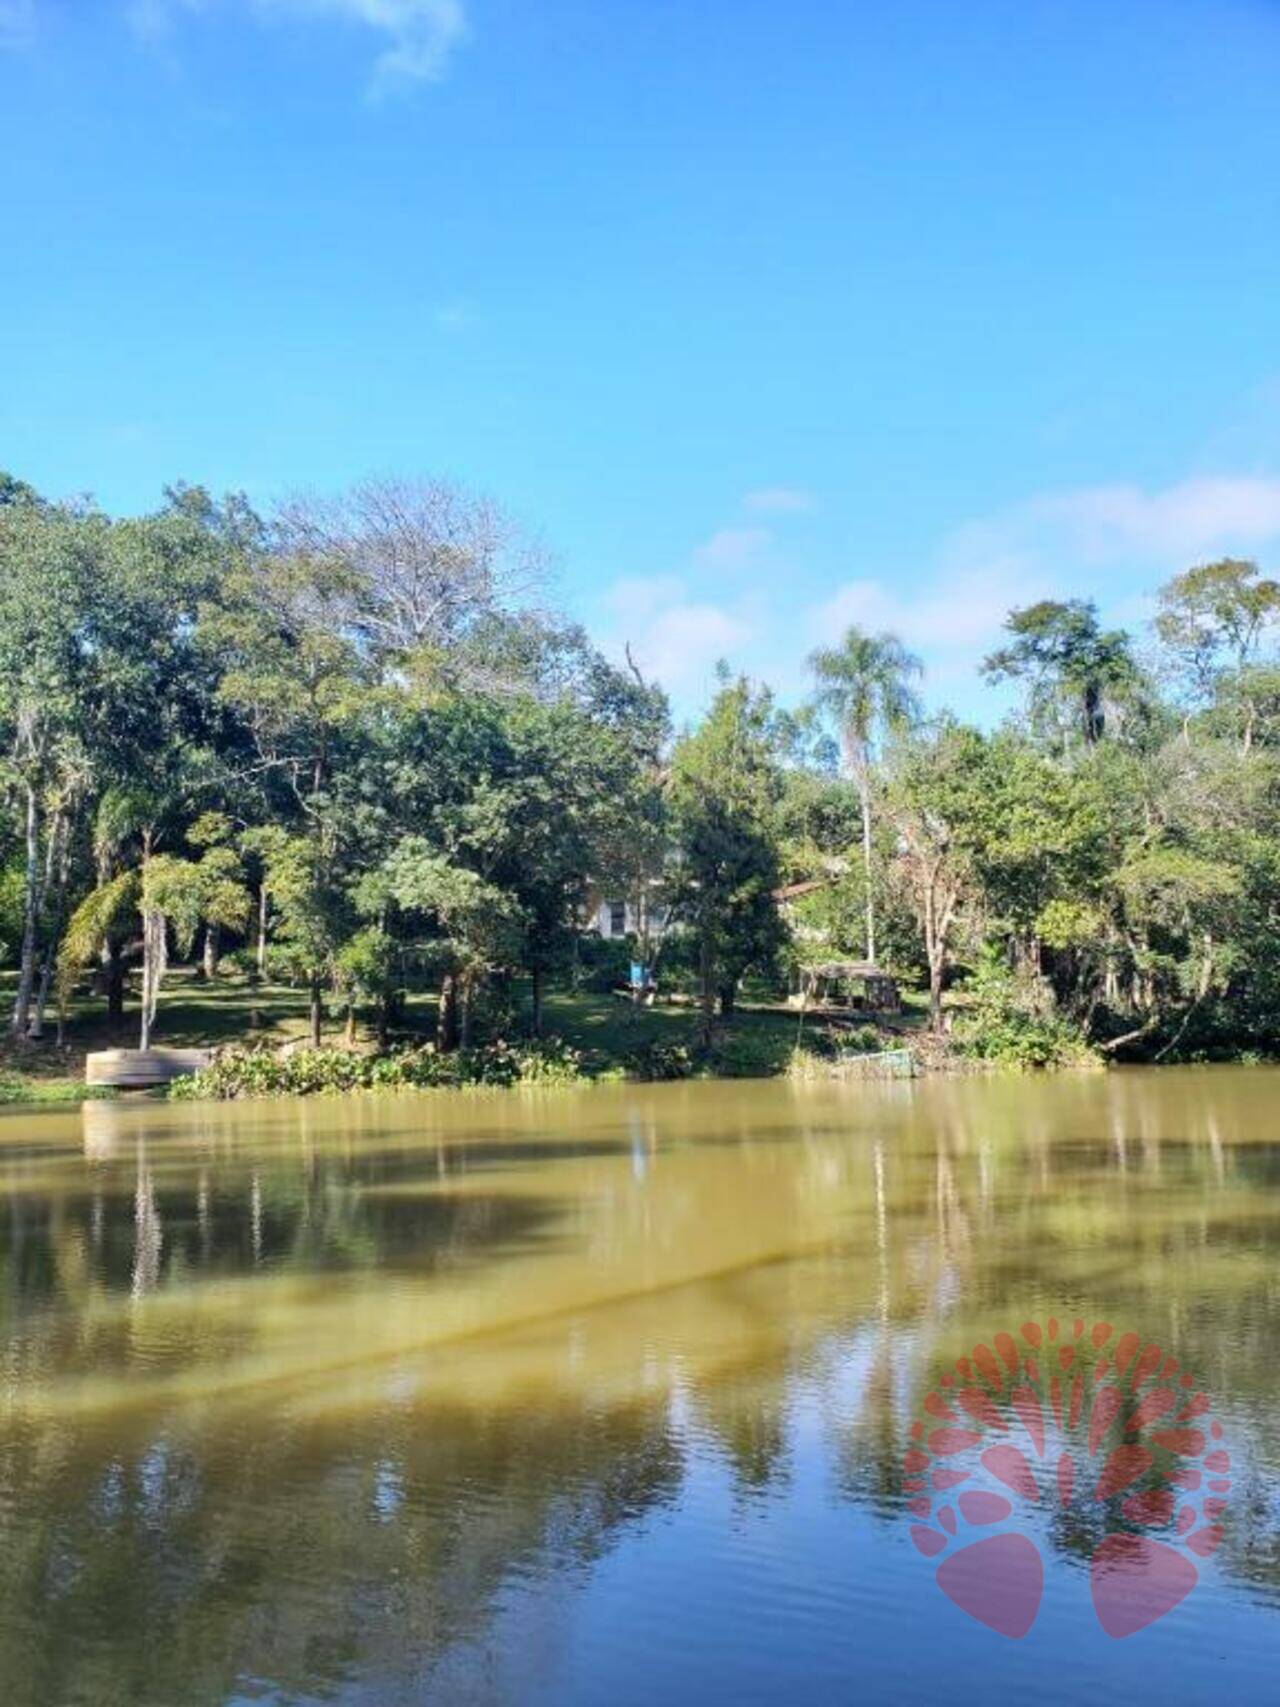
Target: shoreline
47,1094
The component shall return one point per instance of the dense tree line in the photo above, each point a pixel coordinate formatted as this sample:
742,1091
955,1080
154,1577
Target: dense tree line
1105,865
346,745
340,740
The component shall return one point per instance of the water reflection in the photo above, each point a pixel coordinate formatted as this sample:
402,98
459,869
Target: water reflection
351,1398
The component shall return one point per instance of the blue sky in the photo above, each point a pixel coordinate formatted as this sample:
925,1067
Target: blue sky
766,318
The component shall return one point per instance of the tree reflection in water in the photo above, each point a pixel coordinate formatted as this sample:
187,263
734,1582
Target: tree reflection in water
297,1393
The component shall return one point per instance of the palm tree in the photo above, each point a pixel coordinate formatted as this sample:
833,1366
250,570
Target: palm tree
864,685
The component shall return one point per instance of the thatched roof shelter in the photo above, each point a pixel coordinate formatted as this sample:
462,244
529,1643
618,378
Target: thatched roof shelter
880,988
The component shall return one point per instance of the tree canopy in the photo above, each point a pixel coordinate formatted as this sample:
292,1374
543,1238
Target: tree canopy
347,744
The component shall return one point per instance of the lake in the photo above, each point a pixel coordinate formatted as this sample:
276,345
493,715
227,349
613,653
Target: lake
637,1394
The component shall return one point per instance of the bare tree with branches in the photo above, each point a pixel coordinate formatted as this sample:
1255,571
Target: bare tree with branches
429,560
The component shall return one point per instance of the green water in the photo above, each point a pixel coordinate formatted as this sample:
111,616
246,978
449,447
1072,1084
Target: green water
600,1395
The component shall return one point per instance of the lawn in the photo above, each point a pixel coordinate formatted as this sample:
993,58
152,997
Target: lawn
195,1014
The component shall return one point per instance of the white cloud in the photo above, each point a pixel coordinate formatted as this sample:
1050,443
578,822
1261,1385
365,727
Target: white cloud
153,19
683,644
636,598
418,35
1114,544
734,547
952,621
780,501
17,22
1102,525
1197,517
673,634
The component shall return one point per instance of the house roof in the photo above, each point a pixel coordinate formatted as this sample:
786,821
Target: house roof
846,969
793,891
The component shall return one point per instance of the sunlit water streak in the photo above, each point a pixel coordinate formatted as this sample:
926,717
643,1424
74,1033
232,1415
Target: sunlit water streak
595,1395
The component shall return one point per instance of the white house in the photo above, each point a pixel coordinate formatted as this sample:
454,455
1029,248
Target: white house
615,915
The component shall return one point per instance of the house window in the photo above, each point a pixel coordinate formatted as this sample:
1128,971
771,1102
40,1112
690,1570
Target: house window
617,918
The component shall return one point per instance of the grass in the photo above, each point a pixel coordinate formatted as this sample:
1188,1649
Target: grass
193,1014
22,1089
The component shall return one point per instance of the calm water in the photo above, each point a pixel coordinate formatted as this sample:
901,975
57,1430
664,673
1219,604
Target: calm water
600,1396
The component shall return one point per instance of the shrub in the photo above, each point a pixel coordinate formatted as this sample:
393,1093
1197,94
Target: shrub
1008,1022
661,1061
309,1072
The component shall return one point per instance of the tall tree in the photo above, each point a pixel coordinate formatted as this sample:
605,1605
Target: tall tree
97,676
426,562
1077,671
940,797
1211,621
724,790
865,686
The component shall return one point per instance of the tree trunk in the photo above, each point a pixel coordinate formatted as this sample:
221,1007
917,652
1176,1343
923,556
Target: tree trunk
113,980
536,978
447,1019
42,991
351,1025
262,932
40,1002
728,999
935,996
315,1012
56,879
707,991
864,797
31,906
384,1019
465,994
155,944
211,955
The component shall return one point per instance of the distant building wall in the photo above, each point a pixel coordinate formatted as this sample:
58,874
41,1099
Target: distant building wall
616,917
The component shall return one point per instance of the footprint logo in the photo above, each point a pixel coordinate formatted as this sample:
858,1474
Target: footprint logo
1102,1432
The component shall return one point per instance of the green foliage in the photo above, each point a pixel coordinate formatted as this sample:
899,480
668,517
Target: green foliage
1012,1022
366,964
173,888
604,963
12,884
724,790
345,740
661,1059
1210,622
480,922
1078,672
1067,924
310,1072
103,910
42,1092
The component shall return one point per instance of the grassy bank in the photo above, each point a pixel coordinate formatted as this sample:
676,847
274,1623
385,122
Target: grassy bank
596,1036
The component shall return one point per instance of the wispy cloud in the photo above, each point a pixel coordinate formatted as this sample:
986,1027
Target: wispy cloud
418,36
673,634
952,621
1207,515
734,596
780,501
17,22
1114,544
734,547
